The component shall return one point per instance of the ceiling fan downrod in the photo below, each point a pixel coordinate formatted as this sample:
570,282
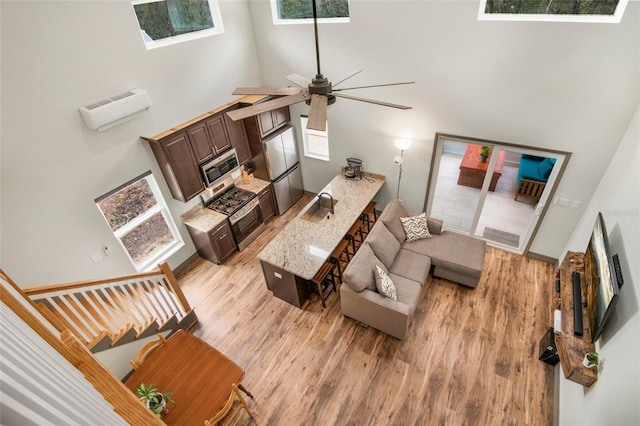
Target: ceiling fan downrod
320,85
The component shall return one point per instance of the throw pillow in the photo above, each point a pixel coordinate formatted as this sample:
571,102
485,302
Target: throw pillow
415,227
544,168
385,285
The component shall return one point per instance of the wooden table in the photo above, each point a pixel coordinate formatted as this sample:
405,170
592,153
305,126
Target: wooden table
199,376
473,171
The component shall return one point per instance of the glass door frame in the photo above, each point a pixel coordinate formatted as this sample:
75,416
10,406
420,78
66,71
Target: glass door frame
561,157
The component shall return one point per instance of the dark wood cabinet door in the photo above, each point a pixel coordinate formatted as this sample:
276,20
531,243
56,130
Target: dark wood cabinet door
280,116
200,143
238,137
223,242
265,121
267,207
218,133
188,181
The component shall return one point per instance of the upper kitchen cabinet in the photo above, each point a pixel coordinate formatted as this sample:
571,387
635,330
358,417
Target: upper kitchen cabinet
179,165
271,120
238,136
209,137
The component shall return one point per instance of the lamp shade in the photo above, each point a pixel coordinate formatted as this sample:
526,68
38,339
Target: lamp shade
402,144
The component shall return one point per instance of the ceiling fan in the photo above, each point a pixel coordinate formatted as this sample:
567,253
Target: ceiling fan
318,93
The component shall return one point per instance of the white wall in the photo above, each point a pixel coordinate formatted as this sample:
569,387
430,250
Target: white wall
615,397
60,55
571,87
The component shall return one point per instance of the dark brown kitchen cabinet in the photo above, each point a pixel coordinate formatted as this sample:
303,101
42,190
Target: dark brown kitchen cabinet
216,245
209,137
267,207
271,120
179,165
238,136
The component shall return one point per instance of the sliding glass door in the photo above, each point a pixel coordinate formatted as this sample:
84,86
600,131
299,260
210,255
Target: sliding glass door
485,189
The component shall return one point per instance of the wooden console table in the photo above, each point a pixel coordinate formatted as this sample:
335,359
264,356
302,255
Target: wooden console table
572,348
473,171
200,378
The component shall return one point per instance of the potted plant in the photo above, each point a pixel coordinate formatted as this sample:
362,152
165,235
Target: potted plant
590,360
156,401
485,151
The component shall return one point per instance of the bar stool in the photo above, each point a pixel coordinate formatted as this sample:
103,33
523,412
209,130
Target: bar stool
325,281
365,217
336,256
354,235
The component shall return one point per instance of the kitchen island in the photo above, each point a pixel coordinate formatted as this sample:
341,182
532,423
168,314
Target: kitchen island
293,257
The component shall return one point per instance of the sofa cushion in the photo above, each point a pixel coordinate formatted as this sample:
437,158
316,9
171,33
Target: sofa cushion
435,225
454,251
391,217
411,265
408,291
415,227
383,243
360,272
384,284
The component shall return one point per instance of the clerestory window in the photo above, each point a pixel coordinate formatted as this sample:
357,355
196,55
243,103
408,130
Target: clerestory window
140,220
301,11
165,22
552,10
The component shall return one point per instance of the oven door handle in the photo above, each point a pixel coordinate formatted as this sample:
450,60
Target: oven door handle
249,211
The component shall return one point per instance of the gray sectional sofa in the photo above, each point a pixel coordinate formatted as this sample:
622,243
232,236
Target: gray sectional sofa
453,256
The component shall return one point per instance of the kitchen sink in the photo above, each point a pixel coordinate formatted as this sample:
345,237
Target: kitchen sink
317,210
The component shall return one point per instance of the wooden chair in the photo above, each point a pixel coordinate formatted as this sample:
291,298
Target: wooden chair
529,188
227,407
147,350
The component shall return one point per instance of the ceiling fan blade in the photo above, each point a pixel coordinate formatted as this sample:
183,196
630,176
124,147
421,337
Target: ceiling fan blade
372,101
261,107
277,91
298,80
347,77
318,113
374,85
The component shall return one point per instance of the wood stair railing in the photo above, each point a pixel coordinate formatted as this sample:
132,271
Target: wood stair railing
106,313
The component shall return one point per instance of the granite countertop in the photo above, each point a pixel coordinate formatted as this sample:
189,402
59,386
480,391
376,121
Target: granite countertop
202,218
205,220
302,247
254,185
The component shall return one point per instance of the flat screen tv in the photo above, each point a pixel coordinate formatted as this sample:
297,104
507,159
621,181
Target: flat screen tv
604,282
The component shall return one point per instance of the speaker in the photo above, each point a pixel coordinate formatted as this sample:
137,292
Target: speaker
548,350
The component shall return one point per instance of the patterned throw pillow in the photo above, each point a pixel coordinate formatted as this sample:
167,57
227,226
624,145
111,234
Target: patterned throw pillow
415,227
384,284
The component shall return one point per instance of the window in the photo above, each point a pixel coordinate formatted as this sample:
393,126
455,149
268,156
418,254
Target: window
553,10
314,142
165,22
301,11
140,220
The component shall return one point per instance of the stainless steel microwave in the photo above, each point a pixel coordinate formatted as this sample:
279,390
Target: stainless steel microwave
219,166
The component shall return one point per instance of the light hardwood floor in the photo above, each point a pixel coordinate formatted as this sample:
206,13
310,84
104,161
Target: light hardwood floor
470,358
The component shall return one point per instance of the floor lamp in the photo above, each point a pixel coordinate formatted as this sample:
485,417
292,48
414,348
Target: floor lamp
401,144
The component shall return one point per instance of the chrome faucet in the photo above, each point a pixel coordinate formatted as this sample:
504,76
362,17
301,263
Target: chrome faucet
320,198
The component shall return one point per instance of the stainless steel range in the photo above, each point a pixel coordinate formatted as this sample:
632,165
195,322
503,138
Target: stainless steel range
241,206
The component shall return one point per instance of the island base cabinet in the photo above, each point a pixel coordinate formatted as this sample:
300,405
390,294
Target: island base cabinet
285,285
216,245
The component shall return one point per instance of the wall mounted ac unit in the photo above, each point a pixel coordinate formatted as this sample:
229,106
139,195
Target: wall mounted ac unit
117,109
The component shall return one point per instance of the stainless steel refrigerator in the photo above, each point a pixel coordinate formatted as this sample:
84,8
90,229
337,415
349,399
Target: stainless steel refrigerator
282,168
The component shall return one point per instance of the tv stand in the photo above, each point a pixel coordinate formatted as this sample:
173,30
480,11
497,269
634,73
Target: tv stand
573,348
